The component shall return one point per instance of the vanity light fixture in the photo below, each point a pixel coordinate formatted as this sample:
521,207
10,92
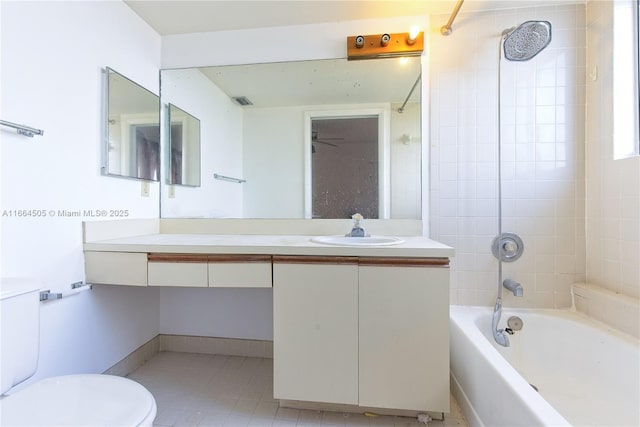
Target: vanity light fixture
385,45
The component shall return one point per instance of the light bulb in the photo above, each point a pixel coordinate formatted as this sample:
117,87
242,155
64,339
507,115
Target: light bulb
413,35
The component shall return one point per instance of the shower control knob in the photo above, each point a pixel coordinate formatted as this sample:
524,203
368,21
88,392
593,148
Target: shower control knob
507,247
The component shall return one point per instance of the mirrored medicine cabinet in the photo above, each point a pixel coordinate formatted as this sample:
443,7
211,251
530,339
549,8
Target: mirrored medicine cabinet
132,129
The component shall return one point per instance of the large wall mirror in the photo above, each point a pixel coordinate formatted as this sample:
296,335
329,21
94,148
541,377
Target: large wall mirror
132,140
292,135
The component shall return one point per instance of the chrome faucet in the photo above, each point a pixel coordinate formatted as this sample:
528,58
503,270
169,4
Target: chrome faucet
357,230
513,286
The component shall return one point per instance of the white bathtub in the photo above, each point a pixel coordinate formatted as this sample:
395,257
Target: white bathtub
586,374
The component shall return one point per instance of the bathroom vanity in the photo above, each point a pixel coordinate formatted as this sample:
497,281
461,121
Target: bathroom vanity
360,327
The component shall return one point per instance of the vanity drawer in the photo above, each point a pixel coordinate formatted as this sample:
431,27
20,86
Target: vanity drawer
178,270
116,268
240,271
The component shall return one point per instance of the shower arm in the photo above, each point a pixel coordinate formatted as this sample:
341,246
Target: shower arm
445,30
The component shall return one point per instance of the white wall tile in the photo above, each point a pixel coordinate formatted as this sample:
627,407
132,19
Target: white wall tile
542,116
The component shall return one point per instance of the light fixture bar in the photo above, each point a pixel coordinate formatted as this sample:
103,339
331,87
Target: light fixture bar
384,46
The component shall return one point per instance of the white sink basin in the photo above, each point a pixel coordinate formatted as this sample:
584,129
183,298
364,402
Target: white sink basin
357,241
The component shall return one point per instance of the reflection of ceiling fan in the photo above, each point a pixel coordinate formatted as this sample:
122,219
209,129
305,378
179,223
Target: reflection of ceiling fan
314,138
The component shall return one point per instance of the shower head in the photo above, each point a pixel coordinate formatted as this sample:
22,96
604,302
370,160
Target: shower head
527,40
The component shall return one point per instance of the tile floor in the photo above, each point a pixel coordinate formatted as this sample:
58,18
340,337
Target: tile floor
214,390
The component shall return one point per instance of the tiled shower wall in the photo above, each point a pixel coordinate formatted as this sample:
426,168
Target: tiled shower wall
612,186
543,154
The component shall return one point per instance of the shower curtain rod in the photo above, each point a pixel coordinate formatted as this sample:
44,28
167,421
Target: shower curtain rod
21,129
445,30
401,109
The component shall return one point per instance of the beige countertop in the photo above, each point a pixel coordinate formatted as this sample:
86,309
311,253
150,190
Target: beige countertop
412,246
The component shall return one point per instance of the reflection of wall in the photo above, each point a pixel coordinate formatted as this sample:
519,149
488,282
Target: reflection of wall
273,152
543,155
221,147
52,79
406,162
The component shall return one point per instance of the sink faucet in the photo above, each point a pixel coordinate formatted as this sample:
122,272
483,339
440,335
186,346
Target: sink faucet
357,230
513,286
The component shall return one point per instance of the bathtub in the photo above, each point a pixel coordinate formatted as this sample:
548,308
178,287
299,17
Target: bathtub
585,373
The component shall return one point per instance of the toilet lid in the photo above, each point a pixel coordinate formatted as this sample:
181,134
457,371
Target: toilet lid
79,400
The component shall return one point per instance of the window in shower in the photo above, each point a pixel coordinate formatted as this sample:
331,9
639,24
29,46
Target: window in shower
626,79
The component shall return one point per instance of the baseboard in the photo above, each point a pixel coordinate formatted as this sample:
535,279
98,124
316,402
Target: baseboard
190,344
466,407
355,409
136,358
214,345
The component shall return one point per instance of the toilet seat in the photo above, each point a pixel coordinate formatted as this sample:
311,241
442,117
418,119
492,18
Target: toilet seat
80,400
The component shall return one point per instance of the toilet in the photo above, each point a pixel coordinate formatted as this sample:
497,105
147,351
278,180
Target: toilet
70,400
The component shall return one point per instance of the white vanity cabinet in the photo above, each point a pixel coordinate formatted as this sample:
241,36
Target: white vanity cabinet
365,331
315,334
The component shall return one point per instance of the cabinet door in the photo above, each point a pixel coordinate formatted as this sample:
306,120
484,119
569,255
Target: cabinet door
404,337
315,334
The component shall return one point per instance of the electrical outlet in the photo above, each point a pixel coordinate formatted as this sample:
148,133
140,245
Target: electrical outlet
144,192
172,191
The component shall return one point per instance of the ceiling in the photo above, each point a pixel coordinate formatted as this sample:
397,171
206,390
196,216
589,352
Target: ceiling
168,17
320,82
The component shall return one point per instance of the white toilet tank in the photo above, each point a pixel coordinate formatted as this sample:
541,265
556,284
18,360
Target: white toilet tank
20,333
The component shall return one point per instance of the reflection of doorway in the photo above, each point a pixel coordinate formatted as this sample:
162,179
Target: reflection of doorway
344,166
145,152
176,153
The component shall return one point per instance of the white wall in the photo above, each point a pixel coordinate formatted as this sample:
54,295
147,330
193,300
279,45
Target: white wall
543,123
220,142
612,186
275,44
223,312
53,54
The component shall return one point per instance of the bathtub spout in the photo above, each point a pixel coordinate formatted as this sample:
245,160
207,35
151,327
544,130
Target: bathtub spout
498,334
513,286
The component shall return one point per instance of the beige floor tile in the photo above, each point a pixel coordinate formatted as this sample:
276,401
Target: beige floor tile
234,391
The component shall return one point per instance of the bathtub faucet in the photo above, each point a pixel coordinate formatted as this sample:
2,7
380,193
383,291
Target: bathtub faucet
513,286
